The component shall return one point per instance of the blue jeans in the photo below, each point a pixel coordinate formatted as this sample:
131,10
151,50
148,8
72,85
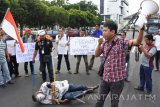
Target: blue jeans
49,66
70,95
5,75
146,78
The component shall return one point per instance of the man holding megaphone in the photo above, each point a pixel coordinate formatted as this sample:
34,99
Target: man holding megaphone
114,54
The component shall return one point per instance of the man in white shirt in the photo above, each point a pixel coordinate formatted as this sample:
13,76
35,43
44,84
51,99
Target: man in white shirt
63,42
157,44
60,92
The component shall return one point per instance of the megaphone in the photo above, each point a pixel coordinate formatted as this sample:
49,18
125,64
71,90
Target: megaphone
147,7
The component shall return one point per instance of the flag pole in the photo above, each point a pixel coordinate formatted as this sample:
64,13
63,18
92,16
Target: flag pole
5,15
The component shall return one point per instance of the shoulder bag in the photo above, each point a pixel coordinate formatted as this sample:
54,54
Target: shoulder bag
101,67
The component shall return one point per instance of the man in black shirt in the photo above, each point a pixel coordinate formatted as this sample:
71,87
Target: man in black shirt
44,45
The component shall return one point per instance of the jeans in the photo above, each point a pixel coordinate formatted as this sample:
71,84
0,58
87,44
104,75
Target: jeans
4,73
60,59
31,67
79,60
115,88
70,95
146,78
49,66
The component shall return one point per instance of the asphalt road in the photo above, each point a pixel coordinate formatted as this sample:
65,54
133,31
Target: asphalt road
19,94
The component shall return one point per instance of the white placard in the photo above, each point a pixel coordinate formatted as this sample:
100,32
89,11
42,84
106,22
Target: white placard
62,49
83,45
11,47
28,55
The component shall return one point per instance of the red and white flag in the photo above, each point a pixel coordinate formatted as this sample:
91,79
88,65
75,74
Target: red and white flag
9,26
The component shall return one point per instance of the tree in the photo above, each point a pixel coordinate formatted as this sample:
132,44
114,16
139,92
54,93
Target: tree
37,14
78,18
58,3
4,4
57,15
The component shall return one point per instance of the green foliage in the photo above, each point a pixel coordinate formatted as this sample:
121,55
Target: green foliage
4,4
42,13
57,15
108,20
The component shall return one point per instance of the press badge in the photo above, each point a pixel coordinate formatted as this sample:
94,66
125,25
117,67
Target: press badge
42,51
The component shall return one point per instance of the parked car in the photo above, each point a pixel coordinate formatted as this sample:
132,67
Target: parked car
53,33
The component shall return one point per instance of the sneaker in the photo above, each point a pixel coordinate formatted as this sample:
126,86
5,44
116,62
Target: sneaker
3,86
10,82
126,80
57,72
26,75
139,88
89,91
148,95
156,70
69,72
76,72
94,87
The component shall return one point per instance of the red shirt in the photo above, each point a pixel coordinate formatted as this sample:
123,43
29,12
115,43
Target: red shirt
114,67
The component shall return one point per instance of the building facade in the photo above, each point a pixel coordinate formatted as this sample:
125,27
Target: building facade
114,9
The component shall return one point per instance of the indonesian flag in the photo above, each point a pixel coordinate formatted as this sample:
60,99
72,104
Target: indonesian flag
9,26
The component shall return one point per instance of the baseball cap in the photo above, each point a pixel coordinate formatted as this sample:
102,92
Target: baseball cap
41,32
27,30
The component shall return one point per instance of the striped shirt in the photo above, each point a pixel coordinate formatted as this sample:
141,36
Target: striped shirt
114,67
2,52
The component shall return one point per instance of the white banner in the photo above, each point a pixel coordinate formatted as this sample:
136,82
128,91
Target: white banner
28,55
83,45
11,47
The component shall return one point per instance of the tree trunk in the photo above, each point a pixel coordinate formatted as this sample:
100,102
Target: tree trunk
21,30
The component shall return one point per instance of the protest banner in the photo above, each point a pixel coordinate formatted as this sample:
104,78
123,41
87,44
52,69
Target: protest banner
83,45
28,55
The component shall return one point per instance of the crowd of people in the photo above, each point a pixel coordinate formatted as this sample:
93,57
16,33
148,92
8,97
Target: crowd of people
114,50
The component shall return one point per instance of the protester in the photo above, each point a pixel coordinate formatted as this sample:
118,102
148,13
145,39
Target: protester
12,64
44,46
4,72
63,42
148,51
82,34
114,68
60,92
157,44
123,36
28,38
97,33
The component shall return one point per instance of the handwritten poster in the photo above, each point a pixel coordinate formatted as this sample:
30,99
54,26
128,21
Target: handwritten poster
83,45
28,55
